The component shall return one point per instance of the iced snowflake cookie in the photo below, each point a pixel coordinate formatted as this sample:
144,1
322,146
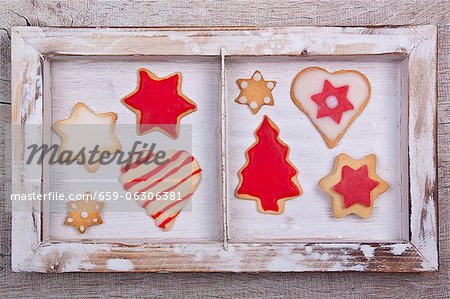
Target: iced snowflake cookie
159,103
353,186
255,92
85,131
332,101
84,213
163,188
268,176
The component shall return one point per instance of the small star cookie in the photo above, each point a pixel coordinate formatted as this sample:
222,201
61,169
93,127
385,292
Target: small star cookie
86,131
84,213
255,92
353,186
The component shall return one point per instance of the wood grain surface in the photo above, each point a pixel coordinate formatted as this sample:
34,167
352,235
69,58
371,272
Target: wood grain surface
227,13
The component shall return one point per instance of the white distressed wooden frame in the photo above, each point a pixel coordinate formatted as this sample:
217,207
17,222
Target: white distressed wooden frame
415,46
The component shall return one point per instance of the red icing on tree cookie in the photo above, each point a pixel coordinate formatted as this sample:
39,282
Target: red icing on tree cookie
355,186
332,101
268,175
159,103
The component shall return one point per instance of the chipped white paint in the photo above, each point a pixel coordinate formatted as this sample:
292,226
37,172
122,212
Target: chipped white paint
66,257
399,249
33,253
368,251
223,149
122,265
344,246
248,41
422,146
308,249
283,261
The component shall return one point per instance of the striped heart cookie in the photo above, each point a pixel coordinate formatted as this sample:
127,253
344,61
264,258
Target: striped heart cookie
163,188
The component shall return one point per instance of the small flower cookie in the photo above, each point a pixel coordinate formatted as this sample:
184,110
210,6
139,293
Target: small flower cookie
159,103
85,131
268,176
84,213
255,92
332,101
353,186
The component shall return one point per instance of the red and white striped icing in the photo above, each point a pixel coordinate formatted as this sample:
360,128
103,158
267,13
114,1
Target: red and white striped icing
181,173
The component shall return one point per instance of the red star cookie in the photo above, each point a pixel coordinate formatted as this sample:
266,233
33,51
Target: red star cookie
332,101
353,185
159,103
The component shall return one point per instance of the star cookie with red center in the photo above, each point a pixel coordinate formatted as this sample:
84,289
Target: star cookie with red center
332,101
84,213
159,103
353,186
255,92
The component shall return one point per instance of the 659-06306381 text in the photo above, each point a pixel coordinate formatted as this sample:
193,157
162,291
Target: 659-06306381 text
97,195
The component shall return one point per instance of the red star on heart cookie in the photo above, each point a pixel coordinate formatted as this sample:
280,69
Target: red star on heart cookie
332,101
159,103
355,186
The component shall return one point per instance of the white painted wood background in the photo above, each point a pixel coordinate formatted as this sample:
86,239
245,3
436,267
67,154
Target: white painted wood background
377,130
101,83
123,13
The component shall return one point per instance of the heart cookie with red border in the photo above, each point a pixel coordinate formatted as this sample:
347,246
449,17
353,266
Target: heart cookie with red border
332,101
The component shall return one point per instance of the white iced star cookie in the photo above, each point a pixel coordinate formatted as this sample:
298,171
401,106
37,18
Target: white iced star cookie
86,131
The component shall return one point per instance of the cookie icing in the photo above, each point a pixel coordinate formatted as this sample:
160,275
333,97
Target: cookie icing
85,130
84,213
159,103
355,186
350,88
268,176
332,102
178,177
255,92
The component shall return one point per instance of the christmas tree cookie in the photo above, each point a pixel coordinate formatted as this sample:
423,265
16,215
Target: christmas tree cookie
268,176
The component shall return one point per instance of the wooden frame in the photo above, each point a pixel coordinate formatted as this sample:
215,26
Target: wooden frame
415,46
